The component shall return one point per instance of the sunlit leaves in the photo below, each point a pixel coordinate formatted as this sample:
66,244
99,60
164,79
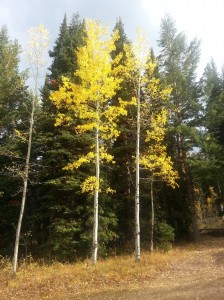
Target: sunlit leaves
155,159
90,184
38,44
90,100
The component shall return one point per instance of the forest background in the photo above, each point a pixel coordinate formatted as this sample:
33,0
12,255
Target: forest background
58,217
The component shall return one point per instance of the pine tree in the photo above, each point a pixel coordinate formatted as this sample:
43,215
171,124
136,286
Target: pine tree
11,87
64,52
61,217
208,165
90,102
59,54
123,149
213,94
13,116
178,63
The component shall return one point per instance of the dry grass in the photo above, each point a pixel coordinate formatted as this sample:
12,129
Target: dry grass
76,281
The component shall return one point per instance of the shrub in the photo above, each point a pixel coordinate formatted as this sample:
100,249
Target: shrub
164,236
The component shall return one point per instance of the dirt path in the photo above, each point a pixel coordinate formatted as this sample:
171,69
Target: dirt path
199,275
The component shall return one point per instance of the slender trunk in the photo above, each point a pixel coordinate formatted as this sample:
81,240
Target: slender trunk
152,216
191,199
137,221
25,181
194,219
96,196
34,57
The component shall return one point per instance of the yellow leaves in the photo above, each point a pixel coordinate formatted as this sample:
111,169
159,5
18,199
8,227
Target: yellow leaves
156,159
94,60
86,127
98,84
62,119
90,100
157,123
64,98
161,166
165,93
38,44
82,160
109,190
137,55
105,156
90,184
90,158
211,199
21,135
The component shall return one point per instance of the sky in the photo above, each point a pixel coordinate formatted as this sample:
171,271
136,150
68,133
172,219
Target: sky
197,18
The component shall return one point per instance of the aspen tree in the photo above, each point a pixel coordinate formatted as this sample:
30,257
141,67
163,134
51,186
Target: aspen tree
38,44
140,68
156,160
90,102
137,60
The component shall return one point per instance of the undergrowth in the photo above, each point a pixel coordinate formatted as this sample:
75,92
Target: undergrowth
74,281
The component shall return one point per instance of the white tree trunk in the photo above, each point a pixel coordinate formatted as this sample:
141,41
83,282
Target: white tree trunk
96,197
35,56
137,221
25,181
152,217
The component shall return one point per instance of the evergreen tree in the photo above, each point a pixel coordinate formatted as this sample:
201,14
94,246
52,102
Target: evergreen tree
90,102
60,218
59,54
64,52
14,105
12,87
213,97
178,63
209,164
123,150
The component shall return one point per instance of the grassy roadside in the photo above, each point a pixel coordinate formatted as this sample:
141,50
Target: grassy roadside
74,281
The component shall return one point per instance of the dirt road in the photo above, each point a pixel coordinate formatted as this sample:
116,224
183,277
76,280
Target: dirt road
198,275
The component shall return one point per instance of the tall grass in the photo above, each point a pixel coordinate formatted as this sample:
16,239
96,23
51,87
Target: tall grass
75,281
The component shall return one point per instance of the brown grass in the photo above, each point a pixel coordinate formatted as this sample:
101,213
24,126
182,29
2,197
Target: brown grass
76,281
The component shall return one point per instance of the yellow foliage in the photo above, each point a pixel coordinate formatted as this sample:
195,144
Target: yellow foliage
109,190
89,184
211,199
105,156
83,159
38,44
90,99
156,159
21,135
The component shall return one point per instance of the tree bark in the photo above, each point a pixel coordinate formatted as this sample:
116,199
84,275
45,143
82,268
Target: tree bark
25,182
40,36
191,200
194,220
96,197
152,216
137,204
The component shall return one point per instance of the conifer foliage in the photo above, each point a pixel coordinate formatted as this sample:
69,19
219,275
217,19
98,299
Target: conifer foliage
89,101
116,130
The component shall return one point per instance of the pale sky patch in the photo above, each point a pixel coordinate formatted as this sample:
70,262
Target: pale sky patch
203,19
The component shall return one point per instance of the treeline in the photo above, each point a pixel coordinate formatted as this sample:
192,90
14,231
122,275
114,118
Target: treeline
152,130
